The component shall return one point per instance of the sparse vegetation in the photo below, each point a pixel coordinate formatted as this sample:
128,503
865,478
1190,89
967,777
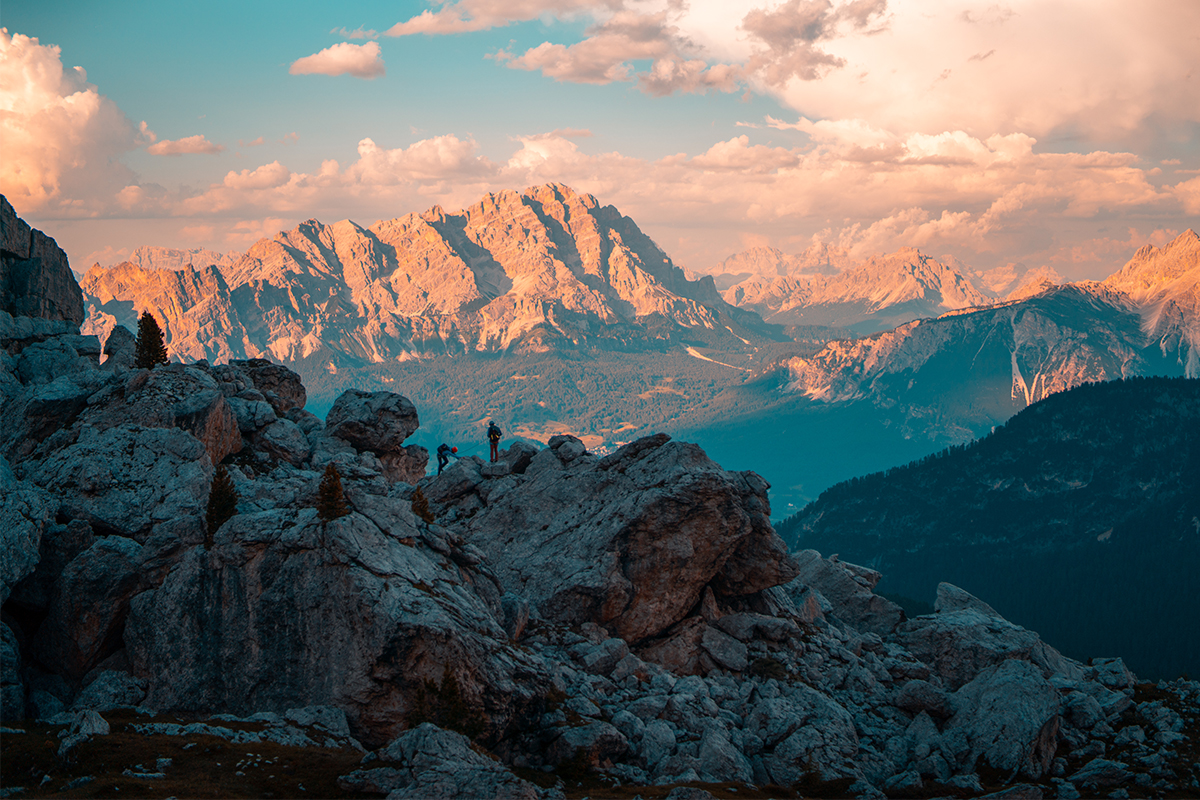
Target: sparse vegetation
445,706
222,503
420,505
331,500
150,349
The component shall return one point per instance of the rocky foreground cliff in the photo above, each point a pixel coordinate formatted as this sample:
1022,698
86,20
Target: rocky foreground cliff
516,624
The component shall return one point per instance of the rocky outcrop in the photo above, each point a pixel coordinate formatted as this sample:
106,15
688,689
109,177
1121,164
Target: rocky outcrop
849,590
356,613
628,541
35,278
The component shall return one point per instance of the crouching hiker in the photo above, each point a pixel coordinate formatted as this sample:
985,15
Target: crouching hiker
444,452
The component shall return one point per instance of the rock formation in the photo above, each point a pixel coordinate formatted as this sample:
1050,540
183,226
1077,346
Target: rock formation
633,615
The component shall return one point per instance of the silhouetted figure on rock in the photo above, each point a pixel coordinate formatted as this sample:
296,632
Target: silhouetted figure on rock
493,434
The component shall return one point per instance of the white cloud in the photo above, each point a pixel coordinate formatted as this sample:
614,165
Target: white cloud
188,145
360,60
268,176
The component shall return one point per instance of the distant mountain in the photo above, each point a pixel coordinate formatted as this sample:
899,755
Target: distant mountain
962,372
1080,516
820,258
544,269
879,294
174,258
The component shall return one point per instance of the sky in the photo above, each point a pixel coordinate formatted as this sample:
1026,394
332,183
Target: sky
1056,133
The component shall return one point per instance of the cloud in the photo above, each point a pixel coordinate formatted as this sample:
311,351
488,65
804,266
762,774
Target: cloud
189,145
360,60
267,176
62,138
252,142
357,33
467,16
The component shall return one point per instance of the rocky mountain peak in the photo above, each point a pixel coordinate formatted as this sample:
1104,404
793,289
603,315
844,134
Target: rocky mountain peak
1154,273
535,269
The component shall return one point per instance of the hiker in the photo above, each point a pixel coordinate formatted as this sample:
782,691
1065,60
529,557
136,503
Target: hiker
493,434
444,452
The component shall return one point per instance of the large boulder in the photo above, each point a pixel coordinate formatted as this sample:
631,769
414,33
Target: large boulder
849,590
35,278
965,636
377,422
629,541
428,763
356,613
1008,717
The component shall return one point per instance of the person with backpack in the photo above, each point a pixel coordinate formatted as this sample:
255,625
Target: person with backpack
444,452
493,434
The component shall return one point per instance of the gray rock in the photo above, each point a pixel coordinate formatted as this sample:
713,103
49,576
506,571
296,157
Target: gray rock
89,605
429,763
631,541
658,743
341,614
1082,710
725,650
12,687
284,440
120,349
111,689
747,626
848,588
280,386
35,277
602,658
252,415
967,637
1100,772
127,478
408,465
23,519
378,422
596,742
720,760
327,717
1009,717
917,696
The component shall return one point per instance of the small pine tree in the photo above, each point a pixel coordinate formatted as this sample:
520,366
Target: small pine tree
222,503
331,501
420,505
150,349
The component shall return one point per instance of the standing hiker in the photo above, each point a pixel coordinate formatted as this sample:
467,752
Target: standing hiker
444,452
493,434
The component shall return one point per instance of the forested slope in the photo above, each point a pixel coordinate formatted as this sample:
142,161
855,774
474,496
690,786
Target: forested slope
1079,517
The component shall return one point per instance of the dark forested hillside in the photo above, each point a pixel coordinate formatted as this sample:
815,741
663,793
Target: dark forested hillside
1080,517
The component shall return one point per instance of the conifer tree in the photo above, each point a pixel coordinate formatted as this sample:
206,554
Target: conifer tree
420,505
150,349
331,502
222,503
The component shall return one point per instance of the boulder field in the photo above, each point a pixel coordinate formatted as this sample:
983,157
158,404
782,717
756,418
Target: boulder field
632,614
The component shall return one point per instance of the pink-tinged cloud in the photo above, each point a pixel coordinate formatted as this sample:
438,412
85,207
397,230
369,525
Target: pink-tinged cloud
360,60
466,16
268,176
62,139
190,145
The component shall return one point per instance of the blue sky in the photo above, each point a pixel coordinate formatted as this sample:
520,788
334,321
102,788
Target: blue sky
1046,132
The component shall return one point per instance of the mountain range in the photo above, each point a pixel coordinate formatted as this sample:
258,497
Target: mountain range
516,272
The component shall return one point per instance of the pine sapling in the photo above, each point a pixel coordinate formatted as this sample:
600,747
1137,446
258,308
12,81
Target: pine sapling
222,503
331,501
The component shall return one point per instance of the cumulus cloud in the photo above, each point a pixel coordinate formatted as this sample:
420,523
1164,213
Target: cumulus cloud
267,176
188,145
360,60
62,138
